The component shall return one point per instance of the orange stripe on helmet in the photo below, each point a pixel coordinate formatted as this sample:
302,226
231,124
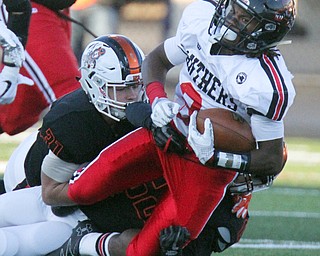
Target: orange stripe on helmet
130,52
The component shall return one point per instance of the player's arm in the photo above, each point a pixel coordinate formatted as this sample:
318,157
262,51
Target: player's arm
266,159
55,175
166,137
154,70
156,66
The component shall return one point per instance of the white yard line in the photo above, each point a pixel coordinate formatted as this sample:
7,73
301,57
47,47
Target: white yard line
276,244
312,215
295,191
300,156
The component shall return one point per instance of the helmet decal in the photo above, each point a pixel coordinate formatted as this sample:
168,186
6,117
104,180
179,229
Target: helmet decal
90,59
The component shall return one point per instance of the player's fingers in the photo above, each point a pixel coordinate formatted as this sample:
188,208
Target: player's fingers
208,130
175,108
244,213
25,80
239,212
193,124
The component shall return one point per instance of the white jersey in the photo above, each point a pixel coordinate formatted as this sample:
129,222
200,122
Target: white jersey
259,89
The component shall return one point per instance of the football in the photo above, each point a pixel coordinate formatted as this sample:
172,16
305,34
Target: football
231,132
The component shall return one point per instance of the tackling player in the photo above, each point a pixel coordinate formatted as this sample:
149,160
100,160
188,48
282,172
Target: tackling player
111,78
230,61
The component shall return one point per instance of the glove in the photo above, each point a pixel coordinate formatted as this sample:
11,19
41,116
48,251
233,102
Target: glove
7,37
172,239
13,51
138,114
241,205
166,138
163,111
202,144
9,81
169,139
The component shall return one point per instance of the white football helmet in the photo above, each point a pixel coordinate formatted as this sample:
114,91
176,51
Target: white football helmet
108,64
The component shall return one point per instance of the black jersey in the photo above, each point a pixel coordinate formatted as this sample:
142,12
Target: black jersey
74,131
129,209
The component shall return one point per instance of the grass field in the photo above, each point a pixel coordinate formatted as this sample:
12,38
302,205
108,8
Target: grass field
284,220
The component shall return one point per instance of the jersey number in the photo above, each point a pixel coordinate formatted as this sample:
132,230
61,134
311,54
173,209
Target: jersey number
54,145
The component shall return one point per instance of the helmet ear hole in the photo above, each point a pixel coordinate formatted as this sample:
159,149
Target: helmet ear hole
106,63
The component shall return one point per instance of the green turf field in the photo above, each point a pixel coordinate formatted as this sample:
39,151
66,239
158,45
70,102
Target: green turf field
285,220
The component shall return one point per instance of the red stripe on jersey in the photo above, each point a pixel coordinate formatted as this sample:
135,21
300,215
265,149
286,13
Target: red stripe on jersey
279,87
188,91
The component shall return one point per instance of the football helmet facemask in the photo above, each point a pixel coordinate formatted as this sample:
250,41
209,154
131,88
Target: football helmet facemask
262,26
111,63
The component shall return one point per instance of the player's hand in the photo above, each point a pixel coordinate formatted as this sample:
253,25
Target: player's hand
163,111
139,114
168,139
241,205
202,144
9,81
13,51
172,239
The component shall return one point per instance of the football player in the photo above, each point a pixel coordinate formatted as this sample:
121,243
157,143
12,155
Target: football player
74,131
13,45
49,60
230,59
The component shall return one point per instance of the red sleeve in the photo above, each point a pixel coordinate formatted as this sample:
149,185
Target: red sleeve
154,90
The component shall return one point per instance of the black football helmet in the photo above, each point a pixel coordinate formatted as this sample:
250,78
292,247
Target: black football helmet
265,24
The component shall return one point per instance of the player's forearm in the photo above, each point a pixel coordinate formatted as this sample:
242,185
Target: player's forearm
268,159
55,193
155,66
57,196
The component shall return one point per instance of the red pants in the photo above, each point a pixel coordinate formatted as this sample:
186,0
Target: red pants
50,63
194,189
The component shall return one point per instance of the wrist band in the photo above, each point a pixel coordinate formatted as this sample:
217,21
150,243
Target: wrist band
154,90
232,161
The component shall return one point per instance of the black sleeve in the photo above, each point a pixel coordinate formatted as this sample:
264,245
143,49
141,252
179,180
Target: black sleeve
19,14
33,161
55,5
